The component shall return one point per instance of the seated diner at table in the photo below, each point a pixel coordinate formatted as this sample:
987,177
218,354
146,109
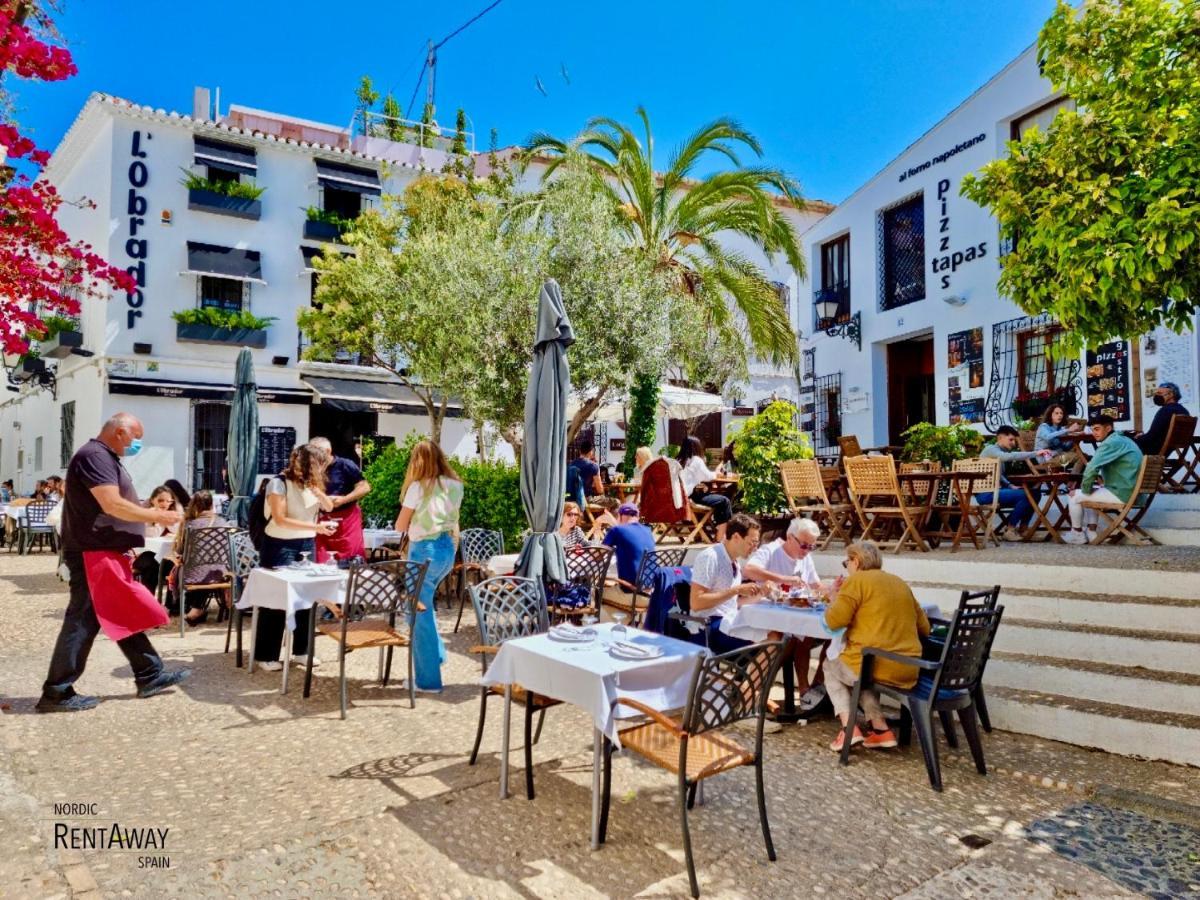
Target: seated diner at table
717,588
1050,432
630,540
588,472
1004,448
570,530
295,499
1116,464
1166,398
199,514
877,609
695,473
642,457
146,566
788,561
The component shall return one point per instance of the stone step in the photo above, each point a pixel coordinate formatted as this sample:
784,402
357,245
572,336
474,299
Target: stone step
1117,728
1164,651
1170,692
1183,536
1070,608
1172,518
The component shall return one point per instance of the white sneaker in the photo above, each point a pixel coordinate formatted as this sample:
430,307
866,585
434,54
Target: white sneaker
1012,535
273,665
1074,537
302,661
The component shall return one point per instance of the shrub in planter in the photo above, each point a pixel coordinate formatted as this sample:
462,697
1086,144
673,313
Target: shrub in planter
764,441
940,443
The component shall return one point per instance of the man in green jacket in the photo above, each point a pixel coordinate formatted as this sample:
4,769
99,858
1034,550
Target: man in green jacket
1116,462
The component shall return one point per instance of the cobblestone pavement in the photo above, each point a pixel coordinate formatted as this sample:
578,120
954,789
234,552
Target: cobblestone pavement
267,795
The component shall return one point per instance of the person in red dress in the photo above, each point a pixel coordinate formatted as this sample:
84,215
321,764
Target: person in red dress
345,486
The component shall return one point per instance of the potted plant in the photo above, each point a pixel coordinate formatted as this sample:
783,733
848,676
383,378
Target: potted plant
228,198
323,225
926,442
215,326
764,441
60,336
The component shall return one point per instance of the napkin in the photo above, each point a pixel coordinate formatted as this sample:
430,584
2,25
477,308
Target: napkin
572,632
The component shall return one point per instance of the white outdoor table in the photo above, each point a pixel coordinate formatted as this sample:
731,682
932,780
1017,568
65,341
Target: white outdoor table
159,546
589,677
377,537
799,621
288,590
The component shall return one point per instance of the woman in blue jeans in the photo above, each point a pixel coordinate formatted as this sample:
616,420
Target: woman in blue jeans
431,497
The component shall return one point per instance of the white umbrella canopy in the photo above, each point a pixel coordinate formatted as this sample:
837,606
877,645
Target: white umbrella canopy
673,403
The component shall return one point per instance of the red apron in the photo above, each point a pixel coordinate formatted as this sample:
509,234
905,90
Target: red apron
122,605
347,541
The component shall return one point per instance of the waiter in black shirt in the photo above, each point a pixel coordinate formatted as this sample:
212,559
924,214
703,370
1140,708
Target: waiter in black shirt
102,520
345,486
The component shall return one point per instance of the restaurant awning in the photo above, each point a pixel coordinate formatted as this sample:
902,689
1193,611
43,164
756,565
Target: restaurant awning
348,178
201,390
224,262
231,157
354,395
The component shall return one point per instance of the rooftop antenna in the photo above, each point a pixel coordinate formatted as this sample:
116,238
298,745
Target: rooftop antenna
431,59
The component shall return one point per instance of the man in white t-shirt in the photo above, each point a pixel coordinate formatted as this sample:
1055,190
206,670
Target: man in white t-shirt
717,586
788,560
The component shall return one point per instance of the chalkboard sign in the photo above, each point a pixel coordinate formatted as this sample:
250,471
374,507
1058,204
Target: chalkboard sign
1108,380
275,443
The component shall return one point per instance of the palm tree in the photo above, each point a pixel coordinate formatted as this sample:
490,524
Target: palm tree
679,218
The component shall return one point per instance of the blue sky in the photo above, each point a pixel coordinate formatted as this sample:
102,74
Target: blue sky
832,90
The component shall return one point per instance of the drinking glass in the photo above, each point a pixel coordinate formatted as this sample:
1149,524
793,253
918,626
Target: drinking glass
304,555
619,631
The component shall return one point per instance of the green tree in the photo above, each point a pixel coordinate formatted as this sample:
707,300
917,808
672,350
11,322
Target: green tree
429,132
459,147
764,442
1104,206
365,98
393,119
643,418
682,222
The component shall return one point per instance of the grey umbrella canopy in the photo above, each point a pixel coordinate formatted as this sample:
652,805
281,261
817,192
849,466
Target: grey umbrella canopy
241,461
544,451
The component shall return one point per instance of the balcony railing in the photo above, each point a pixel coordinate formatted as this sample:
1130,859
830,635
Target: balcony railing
838,294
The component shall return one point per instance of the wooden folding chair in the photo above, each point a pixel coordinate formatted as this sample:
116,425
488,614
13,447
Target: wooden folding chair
1181,462
848,443
804,488
990,484
1121,519
875,492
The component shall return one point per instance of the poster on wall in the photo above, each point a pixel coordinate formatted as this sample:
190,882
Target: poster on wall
275,443
1108,380
964,363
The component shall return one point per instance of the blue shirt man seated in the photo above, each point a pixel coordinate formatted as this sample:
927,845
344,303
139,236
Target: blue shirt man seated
1005,450
630,540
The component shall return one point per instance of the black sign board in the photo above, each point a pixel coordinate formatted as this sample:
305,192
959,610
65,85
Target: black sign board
616,444
1108,380
275,443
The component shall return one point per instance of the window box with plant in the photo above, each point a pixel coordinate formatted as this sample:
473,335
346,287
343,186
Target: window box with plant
224,194
216,326
60,336
325,225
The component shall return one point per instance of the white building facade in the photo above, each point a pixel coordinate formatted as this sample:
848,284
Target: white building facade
906,322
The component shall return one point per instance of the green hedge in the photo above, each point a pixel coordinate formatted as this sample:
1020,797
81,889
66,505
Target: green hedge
491,493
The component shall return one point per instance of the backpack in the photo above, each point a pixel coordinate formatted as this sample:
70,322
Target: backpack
256,522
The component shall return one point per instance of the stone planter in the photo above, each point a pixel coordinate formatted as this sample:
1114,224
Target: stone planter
322,231
61,345
210,201
212,334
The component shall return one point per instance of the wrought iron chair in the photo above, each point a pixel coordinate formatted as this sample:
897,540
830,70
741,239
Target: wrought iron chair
510,607
243,559
877,498
943,686
725,690
804,488
1121,519
652,560
586,567
34,527
969,600
476,546
202,547
381,598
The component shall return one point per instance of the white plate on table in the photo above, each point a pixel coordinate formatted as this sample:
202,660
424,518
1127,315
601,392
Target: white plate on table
569,634
632,651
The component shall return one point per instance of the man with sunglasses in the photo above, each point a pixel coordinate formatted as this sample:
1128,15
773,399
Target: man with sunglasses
788,560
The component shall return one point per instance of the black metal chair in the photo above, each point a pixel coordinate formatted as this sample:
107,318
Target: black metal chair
243,559
510,607
651,562
943,686
202,547
725,689
379,597
34,528
985,599
587,567
476,546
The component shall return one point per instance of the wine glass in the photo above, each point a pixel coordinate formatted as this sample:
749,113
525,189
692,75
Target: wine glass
304,555
619,631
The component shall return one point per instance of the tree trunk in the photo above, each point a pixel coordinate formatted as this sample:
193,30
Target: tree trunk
584,413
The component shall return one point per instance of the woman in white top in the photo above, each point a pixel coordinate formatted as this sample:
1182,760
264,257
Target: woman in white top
295,500
430,500
695,474
146,566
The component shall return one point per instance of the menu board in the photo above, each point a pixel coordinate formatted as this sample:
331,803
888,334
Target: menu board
1108,380
964,369
275,443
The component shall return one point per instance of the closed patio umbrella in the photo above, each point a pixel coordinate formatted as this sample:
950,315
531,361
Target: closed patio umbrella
241,460
544,452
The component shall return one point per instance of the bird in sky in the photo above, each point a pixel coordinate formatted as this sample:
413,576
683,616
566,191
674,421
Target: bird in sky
566,77
541,87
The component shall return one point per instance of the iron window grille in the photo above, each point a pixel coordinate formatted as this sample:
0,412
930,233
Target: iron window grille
210,432
1028,373
827,414
901,239
225,294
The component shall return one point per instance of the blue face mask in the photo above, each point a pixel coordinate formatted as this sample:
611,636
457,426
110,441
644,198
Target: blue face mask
134,448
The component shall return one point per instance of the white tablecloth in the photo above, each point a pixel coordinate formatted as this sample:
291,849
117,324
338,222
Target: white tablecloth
377,537
160,546
290,590
589,677
755,618
16,513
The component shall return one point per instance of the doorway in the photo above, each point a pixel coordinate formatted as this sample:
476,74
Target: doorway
344,428
910,386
